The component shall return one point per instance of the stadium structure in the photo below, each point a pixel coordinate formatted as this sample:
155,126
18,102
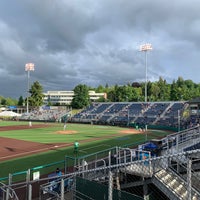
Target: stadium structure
168,168
162,115
65,97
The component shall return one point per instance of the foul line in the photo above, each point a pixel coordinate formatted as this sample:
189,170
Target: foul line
48,148
34,151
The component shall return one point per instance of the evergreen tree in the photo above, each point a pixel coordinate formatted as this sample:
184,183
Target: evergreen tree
20,101
81,97
36,98
3,101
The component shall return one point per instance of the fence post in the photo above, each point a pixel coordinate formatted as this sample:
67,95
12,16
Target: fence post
167,144
29,192
189,166
150,165
177,143
119,156
9,183
117,159
117,180
62,189
109,158
7,193
110,185
9,179
28,173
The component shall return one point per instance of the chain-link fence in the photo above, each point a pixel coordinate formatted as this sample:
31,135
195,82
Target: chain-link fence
166,177
135,175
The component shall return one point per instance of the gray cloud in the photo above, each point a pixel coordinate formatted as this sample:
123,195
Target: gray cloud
96,42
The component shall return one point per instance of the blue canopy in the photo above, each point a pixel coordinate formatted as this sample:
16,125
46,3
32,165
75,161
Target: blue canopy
150,145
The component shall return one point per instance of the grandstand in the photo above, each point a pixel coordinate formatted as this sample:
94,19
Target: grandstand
46,114
152,114
165,114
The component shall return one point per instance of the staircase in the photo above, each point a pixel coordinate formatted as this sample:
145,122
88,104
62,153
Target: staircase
139,169
173,186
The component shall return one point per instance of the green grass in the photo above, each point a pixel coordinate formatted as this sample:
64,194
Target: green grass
12,123
49,135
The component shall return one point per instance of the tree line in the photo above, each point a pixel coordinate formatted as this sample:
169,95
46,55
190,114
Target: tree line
178,90
35,97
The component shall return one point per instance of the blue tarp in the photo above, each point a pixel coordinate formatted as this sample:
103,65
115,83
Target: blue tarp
150,145
12,107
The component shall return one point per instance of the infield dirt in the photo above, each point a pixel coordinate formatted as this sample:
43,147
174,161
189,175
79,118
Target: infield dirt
13,148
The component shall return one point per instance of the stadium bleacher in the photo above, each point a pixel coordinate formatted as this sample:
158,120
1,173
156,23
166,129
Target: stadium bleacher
124,113
169,114
44,115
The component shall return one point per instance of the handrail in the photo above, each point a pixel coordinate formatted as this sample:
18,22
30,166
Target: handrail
8,190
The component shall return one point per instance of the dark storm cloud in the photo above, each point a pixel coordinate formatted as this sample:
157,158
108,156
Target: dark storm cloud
96,42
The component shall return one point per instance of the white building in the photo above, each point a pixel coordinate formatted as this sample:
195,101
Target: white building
65,97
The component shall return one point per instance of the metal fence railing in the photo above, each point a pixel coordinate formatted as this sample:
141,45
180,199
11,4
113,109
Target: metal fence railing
180,141
29,174
134,176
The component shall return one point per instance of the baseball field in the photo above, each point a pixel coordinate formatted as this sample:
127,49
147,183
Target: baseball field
23,147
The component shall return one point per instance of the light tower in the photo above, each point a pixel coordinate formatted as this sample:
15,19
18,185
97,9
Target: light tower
145,47
28,67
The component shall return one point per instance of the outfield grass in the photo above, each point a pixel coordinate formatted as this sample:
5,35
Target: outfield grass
49,135
11,123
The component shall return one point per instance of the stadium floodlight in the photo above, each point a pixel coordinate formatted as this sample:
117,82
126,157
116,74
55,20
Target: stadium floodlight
146,47
28,67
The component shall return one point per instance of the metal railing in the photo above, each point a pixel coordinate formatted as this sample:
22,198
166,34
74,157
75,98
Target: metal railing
176,176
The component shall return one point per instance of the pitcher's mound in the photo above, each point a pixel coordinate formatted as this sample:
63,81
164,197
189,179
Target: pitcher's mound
66,132
130,131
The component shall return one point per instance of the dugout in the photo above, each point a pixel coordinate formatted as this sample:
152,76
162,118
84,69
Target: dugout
194,106
194,111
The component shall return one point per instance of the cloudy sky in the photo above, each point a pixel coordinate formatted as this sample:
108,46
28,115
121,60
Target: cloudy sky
96,42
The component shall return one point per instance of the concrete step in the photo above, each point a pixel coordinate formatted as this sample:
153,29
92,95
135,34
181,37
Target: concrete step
161,173
167,179
180,188
184,195
172,183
